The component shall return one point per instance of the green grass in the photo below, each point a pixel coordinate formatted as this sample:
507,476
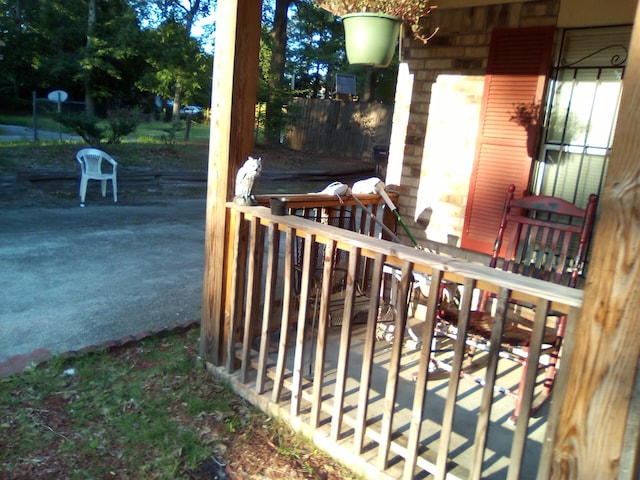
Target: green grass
199,132
146,148
153,130
44,123
149,410
188,156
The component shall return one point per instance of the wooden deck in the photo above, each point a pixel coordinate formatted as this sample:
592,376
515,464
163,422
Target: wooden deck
371,402
467,406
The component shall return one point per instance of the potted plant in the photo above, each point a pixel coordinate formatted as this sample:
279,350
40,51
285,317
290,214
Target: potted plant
527,115
372,27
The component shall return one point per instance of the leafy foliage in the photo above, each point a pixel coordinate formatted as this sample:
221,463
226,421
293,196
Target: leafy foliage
46,49
170,134
143,53
316,50
119,127
316,54
179,61
179,68
125,63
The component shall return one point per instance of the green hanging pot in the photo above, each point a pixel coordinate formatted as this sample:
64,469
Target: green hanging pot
371,38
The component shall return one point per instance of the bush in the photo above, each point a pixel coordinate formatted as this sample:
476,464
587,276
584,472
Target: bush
169,135
120,124
119,128
86,127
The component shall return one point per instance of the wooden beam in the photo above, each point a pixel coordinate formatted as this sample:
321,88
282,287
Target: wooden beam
588,441
233,98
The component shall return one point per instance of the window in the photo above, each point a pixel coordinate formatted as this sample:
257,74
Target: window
581,111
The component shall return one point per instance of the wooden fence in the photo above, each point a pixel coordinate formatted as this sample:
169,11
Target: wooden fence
330,126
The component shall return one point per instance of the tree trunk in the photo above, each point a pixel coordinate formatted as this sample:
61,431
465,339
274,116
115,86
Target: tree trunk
177,102
370,80
274,115
89,100
194,8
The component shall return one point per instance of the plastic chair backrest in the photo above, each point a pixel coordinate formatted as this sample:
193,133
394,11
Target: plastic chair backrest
90,160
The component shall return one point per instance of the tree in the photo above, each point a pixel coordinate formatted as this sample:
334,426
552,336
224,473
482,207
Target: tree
19,44
171,14
110,53
302,46
316,50
316,54
178,69
89,99
49,46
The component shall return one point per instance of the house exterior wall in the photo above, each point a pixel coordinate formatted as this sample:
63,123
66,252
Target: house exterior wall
440,143
446,75
448,160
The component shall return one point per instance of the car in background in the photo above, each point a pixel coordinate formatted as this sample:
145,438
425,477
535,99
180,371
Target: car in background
196,112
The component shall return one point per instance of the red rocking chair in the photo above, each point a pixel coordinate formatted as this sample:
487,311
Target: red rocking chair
542,237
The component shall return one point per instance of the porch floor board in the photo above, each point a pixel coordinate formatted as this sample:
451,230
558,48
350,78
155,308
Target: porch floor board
467,407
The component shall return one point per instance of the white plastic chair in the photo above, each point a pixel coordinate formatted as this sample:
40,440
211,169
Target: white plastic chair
90,160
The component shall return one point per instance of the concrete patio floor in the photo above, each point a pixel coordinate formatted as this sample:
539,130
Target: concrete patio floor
467,408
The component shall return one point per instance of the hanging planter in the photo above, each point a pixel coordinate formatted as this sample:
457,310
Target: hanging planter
375,44
371,38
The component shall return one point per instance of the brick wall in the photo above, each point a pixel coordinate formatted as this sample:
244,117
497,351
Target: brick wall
439,145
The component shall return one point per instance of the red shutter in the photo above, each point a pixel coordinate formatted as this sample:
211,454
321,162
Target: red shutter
517,68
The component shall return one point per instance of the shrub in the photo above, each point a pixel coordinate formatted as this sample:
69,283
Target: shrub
169,135
119,128
85,126
120,124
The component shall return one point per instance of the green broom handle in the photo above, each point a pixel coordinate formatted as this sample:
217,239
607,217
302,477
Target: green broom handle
380,189
404,225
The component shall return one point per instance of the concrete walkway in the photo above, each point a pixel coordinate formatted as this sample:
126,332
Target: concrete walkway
75,277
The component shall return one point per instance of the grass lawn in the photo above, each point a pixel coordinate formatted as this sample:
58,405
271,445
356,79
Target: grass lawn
188,156
146,148
153,130
144,410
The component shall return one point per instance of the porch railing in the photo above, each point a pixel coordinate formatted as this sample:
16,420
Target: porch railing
302,341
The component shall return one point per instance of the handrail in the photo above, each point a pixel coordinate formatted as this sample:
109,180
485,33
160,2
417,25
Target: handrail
312,200
525,288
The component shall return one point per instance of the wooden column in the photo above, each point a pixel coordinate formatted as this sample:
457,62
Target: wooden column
597,430
233,98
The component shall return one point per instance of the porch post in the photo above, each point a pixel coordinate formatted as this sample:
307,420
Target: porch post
596,434
233,98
